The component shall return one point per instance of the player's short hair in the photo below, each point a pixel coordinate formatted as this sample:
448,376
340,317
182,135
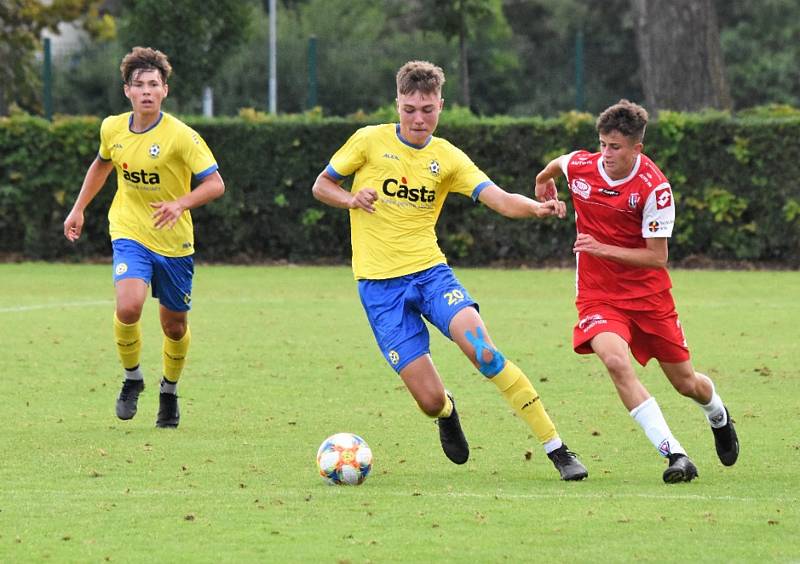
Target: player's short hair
420,76
626,117
144,59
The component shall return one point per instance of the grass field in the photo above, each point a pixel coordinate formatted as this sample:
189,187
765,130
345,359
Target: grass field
283,357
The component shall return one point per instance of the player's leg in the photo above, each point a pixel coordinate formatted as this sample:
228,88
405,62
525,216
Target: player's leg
423,382
612,349
701,389
172,285
392,308
132,272
469,332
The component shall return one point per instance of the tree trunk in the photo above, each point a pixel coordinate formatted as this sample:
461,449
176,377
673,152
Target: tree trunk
680,56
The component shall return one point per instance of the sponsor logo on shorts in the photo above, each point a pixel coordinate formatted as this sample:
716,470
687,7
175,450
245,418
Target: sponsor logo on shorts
590,321
394,358
121,269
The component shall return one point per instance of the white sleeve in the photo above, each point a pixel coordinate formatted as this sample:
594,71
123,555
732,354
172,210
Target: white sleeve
565,163
658,216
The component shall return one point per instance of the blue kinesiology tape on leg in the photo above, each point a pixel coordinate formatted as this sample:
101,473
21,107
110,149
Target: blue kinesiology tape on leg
494,366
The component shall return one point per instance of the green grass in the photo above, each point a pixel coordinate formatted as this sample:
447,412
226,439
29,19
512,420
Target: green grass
283,357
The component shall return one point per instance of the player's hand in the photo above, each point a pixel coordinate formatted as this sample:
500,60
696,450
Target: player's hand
551,208
587,244
364,199
166,214
73,225
546,190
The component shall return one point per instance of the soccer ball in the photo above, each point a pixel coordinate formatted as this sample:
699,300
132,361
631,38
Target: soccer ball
344,459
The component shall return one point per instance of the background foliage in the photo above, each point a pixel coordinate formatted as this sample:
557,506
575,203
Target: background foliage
735,181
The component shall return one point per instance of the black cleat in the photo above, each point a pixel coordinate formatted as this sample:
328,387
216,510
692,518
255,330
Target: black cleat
168,413
129,398
567,464
727,442
680,469
454,443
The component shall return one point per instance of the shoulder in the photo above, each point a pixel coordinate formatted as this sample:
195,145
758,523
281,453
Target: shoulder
581,158
651,169
116,122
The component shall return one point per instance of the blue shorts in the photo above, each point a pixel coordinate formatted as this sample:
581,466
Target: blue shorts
170,278
395,308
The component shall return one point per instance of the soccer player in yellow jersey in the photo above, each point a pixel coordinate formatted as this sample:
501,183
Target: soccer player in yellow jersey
155,156
402,176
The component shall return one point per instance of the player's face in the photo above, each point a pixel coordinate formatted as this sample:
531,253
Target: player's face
419,115
619,154
146,91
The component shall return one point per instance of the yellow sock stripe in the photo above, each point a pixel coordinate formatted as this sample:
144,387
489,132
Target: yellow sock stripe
128,338
520,394
174,355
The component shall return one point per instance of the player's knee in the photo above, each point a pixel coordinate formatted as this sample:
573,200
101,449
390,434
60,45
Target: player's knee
488,359
175,330
686,386
129,313
618,365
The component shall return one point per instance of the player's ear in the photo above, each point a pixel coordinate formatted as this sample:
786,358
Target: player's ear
166,90
126,90
441,104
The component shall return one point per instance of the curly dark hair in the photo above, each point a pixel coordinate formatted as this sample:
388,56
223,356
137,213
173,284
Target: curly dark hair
142,59
626,117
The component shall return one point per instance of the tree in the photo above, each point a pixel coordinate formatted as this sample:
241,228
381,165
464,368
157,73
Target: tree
197,36
21,25
680,57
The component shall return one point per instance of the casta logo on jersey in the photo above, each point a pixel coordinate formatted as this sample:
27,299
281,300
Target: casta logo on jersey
140,176
399,189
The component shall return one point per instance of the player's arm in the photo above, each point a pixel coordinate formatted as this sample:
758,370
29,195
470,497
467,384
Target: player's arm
328,191
166,214
654,255
519,206
93,182
546,179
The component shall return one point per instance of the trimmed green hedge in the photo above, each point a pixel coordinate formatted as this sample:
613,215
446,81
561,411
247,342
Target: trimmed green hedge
735,182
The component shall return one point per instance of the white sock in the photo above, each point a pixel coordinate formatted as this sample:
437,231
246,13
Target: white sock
134,373
168,387
552,444
649,417
714,409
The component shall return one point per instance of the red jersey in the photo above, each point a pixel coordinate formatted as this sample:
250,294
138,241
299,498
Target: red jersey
623,213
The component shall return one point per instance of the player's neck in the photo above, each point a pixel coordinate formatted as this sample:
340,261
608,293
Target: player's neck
141,122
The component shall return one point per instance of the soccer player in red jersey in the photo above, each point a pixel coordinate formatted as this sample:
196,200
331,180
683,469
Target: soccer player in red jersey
625,212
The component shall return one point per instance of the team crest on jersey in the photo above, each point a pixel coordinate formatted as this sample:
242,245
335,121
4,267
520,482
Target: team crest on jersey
633,200
581,188
434,167
155,150
663,198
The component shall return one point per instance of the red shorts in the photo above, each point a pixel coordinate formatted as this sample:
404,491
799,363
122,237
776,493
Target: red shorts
651,328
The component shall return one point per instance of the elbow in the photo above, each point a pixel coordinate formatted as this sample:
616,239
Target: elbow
219,189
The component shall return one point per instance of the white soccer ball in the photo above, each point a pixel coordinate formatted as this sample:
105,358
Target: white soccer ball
344,459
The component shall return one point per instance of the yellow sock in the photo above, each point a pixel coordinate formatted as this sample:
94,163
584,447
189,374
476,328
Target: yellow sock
129,342
446,410
519,393
174,353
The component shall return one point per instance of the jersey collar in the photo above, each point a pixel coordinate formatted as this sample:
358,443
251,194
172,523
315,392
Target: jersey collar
130,124
607,178
405,141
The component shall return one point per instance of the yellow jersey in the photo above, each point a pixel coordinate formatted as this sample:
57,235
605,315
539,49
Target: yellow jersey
412,182
155,165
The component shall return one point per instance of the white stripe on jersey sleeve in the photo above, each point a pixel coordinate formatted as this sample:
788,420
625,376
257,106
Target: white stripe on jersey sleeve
658,222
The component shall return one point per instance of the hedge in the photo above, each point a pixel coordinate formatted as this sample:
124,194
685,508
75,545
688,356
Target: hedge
735,181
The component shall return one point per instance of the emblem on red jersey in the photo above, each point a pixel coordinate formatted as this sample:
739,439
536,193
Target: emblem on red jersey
633,200
663,198
581,188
